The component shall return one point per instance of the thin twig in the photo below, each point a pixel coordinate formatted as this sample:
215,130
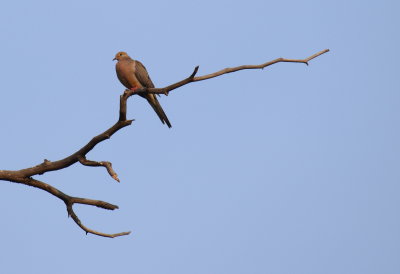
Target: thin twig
192,77
107,165
262,66
91,231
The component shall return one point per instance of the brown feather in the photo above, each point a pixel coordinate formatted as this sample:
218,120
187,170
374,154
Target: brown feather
133,74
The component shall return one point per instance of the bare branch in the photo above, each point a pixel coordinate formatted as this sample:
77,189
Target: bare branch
47,165
70,201
191,78
262,66
105,164
88,230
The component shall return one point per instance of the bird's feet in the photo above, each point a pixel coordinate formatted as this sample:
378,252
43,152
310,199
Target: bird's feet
134,89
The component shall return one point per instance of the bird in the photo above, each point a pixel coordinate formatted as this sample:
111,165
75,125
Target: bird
133,75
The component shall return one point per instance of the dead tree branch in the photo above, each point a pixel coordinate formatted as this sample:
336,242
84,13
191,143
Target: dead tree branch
69,202
105,164
192,77
24,176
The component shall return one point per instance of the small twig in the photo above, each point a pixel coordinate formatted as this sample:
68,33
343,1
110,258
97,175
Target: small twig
88,230
107,165
229,70
191,78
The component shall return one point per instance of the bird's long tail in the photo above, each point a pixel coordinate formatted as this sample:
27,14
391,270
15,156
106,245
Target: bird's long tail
158,109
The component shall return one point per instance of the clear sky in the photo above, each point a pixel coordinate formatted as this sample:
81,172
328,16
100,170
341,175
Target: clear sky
291,169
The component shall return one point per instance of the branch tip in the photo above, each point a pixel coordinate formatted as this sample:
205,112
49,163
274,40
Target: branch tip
115,177
75,200
196,69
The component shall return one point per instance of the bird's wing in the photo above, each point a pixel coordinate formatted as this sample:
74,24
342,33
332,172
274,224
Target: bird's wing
142,75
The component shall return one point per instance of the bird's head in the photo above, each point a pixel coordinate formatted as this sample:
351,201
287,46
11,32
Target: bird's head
121,55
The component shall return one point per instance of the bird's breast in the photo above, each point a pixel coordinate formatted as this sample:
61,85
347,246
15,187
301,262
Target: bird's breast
126,74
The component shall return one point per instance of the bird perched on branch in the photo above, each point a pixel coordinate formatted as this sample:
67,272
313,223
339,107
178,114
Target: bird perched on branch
133,75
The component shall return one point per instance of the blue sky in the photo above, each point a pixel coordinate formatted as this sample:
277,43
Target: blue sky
291,169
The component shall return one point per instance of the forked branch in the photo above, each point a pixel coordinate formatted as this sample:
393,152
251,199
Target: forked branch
70,201
24,176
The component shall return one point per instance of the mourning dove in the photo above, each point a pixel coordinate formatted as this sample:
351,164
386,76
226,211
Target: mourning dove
133,75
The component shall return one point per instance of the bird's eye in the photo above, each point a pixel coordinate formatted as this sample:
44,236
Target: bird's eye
120,54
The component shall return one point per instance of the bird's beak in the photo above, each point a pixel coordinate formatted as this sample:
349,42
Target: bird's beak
115,59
